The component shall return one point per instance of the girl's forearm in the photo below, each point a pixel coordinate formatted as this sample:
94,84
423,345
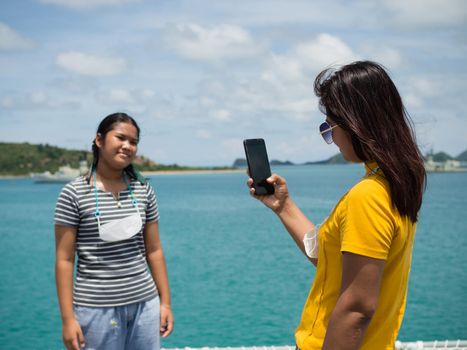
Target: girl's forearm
156,261
64,283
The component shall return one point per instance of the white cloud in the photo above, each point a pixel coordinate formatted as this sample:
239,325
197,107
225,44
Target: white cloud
299,108
39,98
412,100
426,13
286,84
387,56
324,51
224,42
308,58
86,4
206,102
147,93
240,101
425,86
282,91
136,98
221,115
121,96
282,67
35,100
77,85
203,134
231,148
418,90
139,100
7,102
11,40
90,64
164,107
293,146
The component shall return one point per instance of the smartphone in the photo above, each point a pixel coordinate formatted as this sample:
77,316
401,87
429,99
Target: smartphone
258,165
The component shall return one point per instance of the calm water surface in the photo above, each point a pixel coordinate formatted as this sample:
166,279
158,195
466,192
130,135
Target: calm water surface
236,276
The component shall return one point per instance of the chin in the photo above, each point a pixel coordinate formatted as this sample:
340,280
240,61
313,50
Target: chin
346,157
352,159
124,161
121,165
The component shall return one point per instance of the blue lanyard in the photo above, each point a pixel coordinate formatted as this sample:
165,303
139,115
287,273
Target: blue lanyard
98,213
371,171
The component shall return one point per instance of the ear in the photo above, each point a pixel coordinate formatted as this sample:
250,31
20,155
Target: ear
99,140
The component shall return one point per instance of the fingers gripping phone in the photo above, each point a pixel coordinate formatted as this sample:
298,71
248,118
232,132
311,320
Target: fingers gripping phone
258,165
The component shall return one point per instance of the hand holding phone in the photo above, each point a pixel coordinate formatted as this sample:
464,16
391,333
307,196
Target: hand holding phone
258,165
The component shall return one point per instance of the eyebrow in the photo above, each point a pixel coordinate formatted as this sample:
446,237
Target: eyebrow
124,135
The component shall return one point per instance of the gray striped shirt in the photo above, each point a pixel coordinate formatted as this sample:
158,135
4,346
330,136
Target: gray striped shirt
108,273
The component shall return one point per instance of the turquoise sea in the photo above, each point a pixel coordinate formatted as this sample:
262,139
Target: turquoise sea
236,276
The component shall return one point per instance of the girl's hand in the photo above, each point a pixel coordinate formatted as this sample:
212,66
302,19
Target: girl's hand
73,337
167,321
274,201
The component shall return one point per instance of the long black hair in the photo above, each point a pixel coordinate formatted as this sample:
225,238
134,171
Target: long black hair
106,125
364,101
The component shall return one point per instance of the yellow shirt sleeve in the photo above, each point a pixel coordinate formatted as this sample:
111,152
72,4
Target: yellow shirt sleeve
367,220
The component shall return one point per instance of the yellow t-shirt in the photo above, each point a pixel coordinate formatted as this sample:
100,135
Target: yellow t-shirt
364,222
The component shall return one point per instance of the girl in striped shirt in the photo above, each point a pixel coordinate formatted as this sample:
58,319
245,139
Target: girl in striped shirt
120,298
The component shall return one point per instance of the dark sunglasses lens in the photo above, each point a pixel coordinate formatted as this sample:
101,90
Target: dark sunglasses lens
324,126
326,132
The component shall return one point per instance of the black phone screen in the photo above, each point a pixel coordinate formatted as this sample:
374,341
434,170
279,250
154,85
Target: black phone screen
258,165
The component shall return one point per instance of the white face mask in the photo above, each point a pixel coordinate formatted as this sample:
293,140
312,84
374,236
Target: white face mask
118,230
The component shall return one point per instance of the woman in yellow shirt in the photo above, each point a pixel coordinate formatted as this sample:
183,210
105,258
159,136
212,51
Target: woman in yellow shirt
363,250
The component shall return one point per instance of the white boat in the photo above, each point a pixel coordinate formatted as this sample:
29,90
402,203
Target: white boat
63,175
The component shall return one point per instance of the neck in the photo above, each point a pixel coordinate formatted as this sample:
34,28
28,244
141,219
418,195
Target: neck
103,172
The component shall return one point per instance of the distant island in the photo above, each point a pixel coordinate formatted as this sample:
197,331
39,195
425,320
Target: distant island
439,157
22,159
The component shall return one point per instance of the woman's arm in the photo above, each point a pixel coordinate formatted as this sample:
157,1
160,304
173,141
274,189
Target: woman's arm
65,238
361,279
156,261
293,219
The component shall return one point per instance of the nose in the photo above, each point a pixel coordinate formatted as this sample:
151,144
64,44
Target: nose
126,144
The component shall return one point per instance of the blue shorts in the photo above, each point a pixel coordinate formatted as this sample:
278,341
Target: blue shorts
134,326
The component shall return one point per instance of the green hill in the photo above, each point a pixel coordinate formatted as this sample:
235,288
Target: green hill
441,157
25,158
336,159
462,157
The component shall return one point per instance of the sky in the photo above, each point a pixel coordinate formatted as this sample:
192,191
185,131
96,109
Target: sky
201,76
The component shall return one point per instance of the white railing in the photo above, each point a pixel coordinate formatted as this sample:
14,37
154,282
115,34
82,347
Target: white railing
437,344
418,345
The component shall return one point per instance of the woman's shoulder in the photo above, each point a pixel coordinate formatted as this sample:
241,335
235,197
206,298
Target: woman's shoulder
373,188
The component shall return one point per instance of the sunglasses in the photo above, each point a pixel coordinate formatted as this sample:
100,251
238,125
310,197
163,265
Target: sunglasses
326,131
